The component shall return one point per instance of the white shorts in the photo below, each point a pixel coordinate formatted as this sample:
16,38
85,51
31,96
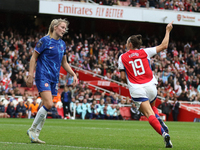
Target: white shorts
145,93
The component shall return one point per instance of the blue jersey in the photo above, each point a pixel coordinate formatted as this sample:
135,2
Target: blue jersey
51,52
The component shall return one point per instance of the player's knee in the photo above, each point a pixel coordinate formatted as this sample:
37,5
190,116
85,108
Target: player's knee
49,105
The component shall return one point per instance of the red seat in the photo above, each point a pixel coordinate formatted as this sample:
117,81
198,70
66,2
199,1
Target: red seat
143,118
125,113
60,111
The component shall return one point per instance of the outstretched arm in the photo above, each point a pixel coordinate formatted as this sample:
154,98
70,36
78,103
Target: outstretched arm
165,41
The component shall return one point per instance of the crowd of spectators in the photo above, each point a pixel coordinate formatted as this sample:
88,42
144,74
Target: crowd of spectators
177,68
177,5
91,105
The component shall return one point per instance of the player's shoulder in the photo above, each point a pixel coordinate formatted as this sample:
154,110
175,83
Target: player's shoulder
45,38
149,48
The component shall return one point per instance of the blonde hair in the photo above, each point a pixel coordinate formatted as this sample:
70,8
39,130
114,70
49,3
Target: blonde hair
56,22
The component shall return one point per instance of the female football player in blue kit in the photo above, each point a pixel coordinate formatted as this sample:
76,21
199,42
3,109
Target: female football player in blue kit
49,54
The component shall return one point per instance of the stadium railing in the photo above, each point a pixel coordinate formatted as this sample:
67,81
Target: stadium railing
100,76
187,105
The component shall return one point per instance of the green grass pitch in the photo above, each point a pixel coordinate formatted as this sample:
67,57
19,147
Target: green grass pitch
97,135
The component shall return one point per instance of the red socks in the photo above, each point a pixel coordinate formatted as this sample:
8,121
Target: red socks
153,121
155,110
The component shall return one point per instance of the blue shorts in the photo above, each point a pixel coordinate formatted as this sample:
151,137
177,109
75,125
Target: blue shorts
45,85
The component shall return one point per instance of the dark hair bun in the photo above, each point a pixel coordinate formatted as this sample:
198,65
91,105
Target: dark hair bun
139,37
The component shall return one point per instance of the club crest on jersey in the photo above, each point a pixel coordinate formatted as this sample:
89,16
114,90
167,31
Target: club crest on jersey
133,54
62,48
46,84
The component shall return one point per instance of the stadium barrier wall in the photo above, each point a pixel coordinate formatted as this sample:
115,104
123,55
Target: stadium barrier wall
89,77
184,114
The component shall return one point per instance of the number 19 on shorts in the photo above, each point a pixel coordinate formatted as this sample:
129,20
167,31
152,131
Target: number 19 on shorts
136,65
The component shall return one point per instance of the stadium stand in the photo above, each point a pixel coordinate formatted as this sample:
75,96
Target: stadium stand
178,5
177,69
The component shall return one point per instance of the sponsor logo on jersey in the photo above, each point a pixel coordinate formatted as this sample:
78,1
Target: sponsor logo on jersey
46,84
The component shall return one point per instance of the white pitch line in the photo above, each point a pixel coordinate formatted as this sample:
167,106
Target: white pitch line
75,147
93,128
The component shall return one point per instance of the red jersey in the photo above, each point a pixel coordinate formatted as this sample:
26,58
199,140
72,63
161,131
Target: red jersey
137,65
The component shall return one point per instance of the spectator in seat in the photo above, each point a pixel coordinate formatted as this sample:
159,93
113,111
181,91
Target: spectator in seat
133,3
128,101
28,111
34,108
165,107
114,101
78,108
86,110
12,98
6,97
97,92
20,110
177,88
72,106
119,116
10,110
66,99
115,76
86,65
192,92
70,80
108,114
100,109
94,112
3,114
53,112
2,88
62,81
113,112
105,114
96,69
135,113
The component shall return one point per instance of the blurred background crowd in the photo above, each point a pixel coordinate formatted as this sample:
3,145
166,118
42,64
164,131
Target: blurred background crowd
177,69
177,5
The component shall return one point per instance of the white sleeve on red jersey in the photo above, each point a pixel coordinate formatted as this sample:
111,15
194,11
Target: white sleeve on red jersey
150,52
120,64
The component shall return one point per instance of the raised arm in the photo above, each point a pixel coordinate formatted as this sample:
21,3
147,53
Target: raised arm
165,41
66,66
34,57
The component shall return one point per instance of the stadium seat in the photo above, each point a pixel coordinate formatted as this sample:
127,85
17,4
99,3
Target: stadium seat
125,113
60,111
143,118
